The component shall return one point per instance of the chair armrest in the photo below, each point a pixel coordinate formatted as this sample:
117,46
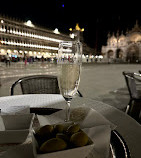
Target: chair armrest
13,86
137,75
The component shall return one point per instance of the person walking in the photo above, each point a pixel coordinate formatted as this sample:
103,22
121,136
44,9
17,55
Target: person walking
25,60
7,60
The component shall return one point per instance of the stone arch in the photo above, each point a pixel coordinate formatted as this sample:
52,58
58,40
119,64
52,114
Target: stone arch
119,53
110,53
132,54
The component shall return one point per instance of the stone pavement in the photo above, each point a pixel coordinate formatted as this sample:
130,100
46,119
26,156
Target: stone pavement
103,82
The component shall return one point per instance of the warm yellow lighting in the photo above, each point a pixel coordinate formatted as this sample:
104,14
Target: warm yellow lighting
2,21
2,51
29,45
33,35
78,28
15,51
70,29
82,29
9,51
30,52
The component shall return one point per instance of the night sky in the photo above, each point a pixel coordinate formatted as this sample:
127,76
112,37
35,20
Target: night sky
96,17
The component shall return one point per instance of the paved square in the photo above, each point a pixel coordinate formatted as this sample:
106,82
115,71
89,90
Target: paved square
103,82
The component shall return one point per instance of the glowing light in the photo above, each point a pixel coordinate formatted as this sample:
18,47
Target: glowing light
2,21
72,35
34,35
9,51
70,29
2,50
15,51
63,5
78,28
82,29
30,52
100,56
29,45
56,31
29,23
20,51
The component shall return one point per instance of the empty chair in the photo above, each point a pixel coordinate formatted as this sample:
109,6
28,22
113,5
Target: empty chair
38,84
134,105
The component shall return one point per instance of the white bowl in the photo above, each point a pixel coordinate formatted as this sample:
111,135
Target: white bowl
17,128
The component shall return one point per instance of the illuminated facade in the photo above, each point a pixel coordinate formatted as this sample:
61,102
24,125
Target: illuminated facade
124,48
20,39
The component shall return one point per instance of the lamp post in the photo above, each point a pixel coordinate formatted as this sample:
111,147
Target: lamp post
76,32
117,37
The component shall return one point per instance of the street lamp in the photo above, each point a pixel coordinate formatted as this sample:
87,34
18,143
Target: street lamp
76,32
117,51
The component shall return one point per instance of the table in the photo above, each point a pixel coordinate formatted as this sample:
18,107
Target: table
129,129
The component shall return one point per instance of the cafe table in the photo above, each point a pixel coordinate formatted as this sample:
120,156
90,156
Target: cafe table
127,127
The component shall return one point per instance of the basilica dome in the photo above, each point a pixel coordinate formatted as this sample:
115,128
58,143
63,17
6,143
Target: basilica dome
122,38
113,40
135,37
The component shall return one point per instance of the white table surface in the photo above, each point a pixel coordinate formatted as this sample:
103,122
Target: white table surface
129,129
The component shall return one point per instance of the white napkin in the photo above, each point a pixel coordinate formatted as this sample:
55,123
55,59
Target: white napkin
100,135
16,110
86,117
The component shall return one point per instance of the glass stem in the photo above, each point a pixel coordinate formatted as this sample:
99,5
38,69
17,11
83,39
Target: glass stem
67,111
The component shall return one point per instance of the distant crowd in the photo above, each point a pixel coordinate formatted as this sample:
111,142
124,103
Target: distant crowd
30,59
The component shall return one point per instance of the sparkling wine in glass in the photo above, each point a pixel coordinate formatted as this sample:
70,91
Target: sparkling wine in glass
69,67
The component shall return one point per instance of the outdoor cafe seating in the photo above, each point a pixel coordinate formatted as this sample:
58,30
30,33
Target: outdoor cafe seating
133,82
111,135
38,84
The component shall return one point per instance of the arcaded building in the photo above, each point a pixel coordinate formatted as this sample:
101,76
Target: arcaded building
24,38
124,47
20,39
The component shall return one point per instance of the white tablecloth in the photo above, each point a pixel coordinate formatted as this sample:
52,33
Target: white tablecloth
129,129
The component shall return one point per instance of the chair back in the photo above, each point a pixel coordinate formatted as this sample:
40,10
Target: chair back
131,84
38,84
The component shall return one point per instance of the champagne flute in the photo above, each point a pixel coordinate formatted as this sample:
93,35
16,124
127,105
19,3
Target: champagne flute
69,67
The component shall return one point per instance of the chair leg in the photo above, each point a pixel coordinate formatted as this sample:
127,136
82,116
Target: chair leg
134,109
80,95
127,109
128,106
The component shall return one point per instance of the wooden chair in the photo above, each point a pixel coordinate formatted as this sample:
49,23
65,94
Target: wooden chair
38,84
